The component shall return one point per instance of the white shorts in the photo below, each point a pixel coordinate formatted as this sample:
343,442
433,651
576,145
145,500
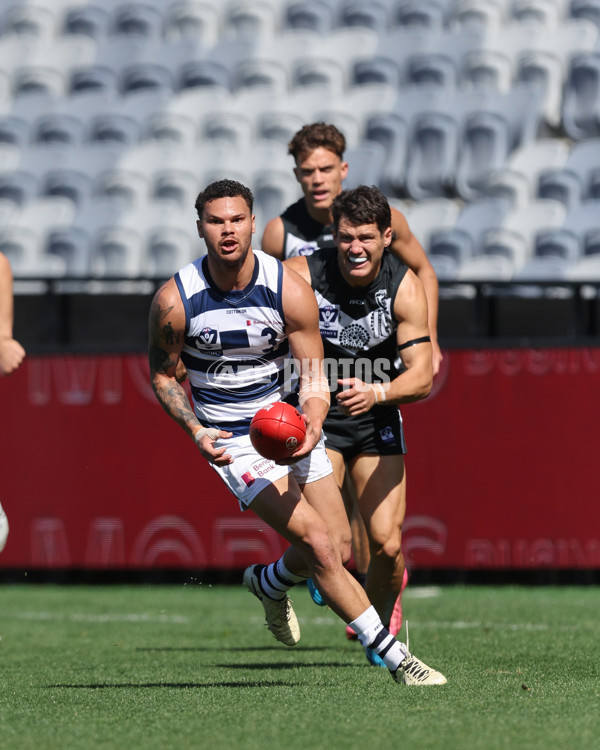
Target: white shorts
3,528
250,473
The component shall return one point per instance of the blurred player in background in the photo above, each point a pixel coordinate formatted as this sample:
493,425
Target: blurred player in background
11,352
372,309
236,306
305,226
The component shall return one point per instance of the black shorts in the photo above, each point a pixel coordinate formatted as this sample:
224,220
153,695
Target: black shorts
378,432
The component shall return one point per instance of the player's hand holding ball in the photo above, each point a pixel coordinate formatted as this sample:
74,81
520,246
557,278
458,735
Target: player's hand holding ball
277,431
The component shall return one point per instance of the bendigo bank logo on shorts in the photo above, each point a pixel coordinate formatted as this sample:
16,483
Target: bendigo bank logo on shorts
248,479
328,317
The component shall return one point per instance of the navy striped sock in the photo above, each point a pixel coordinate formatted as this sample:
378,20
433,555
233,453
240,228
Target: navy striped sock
276,580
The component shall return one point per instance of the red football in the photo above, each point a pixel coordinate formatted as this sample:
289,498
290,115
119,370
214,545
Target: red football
277,431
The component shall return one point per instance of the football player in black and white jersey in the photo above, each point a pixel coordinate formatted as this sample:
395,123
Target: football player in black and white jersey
373,308
234,315
306,226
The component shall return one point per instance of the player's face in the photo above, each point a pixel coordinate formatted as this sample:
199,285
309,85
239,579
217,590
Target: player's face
360,249
320,174
227,227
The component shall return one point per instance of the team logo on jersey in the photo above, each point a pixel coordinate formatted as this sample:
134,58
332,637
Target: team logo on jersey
328,317
209,336
381,298
355,336
387,435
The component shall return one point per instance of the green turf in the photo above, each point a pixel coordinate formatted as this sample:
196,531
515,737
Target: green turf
193,667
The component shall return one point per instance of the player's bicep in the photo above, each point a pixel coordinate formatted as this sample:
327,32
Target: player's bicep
302,317
166,331
410,311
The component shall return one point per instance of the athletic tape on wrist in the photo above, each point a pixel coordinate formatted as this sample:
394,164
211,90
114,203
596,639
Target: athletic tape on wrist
212,433
378,391
317,388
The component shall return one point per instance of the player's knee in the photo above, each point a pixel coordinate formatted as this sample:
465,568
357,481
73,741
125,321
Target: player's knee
388,546
322,549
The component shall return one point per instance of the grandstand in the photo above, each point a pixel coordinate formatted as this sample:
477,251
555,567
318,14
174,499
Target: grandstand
479,118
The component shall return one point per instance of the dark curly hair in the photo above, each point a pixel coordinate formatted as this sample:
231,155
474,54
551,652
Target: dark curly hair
362,205
317,135
223,189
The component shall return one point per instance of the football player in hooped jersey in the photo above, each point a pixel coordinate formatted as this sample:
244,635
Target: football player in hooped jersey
235,316
373,309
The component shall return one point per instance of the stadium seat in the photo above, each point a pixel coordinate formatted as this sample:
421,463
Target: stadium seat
587,9
432,215
258,73
167,250
122,185
516,235
199,20
489,14
373,15
377,70
570,239
117,251
543,13
487,69
422,14
581,100
484,147
146,76
33,21
90,20
431,69
16,123
365,161
136,19
393,130
313,15
255,19
466,237
517,181
432,155
486,268
585,269
550,268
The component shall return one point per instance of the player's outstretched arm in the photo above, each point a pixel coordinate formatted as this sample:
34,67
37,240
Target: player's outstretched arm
302,326
407,247
166,336
273,238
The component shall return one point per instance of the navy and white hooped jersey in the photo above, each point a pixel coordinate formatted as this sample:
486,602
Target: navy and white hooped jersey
235,348
303,234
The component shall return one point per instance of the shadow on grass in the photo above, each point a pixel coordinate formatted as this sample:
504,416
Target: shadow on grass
295,650
177,685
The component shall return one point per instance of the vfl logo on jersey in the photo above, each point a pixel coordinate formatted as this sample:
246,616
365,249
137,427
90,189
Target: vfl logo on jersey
328,316
387,435
209,337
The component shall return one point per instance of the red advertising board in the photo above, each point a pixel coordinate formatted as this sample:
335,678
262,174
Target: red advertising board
501,469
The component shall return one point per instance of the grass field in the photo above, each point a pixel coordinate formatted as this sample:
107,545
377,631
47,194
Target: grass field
194,667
